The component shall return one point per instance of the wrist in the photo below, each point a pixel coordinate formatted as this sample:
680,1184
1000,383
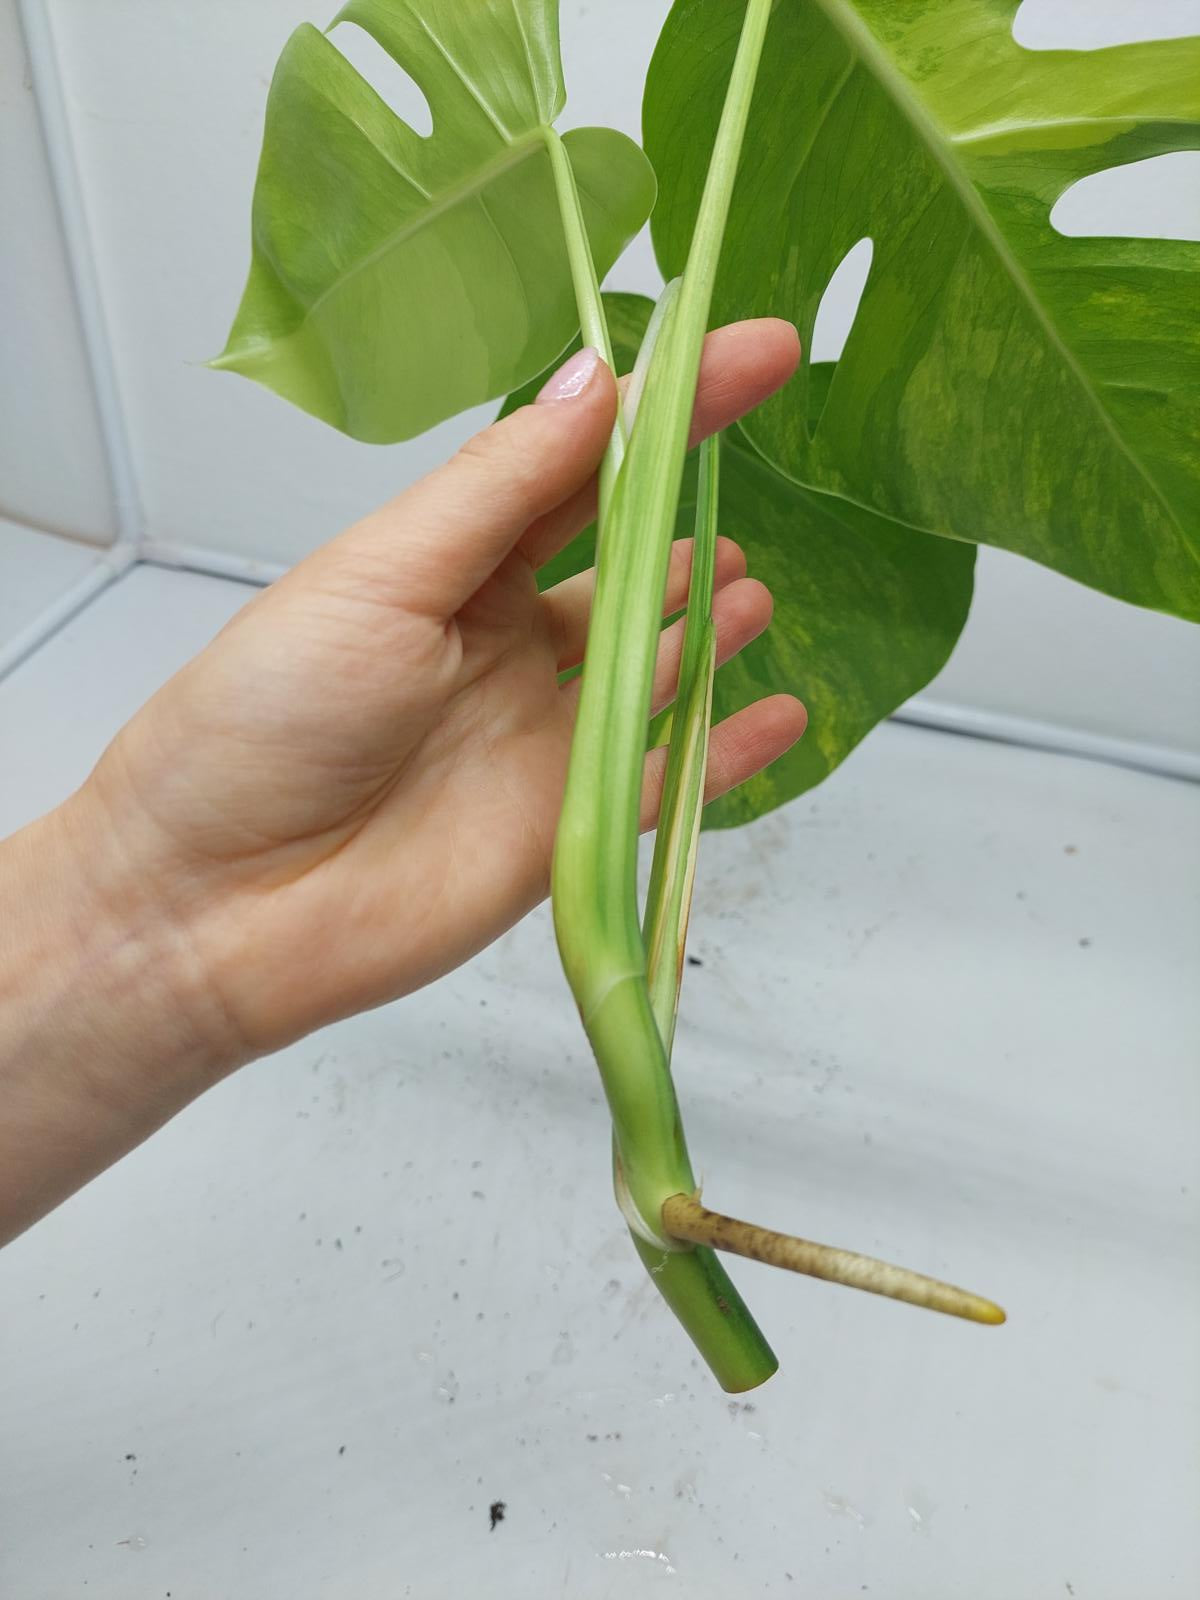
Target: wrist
107,1026
132,923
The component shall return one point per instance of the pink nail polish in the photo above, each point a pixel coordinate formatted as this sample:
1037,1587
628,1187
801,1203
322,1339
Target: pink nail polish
572,378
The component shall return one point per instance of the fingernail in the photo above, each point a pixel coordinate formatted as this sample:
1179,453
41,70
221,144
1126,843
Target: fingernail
572,378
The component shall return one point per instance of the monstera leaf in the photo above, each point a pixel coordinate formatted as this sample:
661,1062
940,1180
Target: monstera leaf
1001,383
396,280
866,611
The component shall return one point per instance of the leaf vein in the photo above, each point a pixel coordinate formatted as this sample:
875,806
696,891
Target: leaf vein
512,156
861,41
463,77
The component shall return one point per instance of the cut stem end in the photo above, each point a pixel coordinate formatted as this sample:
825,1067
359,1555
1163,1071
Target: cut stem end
685,1219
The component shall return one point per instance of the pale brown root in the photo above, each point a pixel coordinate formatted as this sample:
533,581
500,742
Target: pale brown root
684,1218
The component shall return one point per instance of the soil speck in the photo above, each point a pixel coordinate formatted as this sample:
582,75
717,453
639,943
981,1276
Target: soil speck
496,1514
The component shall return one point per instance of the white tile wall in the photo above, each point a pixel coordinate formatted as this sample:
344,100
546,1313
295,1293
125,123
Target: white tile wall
52,466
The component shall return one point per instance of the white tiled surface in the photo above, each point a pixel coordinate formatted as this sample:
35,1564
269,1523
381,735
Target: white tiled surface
36,569
298,1343
60,708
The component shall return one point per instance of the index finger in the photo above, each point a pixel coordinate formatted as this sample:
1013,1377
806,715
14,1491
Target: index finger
741,365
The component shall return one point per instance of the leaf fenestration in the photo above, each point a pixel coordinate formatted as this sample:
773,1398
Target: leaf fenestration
396,280
1002,383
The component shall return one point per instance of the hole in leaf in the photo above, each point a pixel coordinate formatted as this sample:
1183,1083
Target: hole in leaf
1093,24
834,319
839,303
387,77
1158,198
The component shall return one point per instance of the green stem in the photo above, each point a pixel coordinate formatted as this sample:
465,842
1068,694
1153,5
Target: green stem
704,558
595,860
676,845
664,309
593,325
702,1295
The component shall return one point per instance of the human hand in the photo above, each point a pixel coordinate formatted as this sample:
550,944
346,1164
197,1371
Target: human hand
356,786
351,790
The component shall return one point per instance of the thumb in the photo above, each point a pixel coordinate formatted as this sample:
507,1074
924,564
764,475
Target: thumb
442,539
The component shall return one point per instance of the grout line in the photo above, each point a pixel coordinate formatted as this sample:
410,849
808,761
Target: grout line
111,565
44,67
209,563
1002,728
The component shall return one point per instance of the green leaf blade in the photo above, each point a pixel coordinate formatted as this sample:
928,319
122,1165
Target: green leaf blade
867,610
484,69
397,280
1002,383
866,613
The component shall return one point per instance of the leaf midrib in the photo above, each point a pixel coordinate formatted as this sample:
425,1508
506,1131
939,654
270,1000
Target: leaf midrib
519,150
863,43
997,130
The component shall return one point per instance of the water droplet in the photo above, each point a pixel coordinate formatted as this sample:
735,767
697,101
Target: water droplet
838,1506
920,1510
659,1556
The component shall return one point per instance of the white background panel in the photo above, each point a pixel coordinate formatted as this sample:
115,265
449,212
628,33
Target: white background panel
52,467
1092,24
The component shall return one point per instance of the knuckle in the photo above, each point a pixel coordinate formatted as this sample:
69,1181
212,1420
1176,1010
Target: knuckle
499,458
